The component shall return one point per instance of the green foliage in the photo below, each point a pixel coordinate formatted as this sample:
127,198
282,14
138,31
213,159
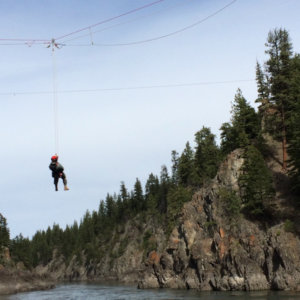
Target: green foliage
152,193
207,155
281,77
21,250
186,167
256,183
244,128
175,162
163,190
289,226
230,202
4,232
177,196
122,247
294,135
263,87
149,242
278,69
138,201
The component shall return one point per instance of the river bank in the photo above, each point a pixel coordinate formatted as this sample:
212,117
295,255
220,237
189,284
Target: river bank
17,281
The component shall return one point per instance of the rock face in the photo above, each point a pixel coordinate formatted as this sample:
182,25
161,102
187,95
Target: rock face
206,251
15,281
14,278
121,262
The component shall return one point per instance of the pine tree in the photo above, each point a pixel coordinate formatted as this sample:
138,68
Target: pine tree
4,232
207,155
294,135
21,250
152,192
244,128
186,167
175,162
176,198
263,87
163,190
255,182
279,72
244,119
110,209
229,138
125,198
138,197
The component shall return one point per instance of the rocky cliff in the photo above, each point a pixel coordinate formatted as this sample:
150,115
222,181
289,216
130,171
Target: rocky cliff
14,278
207,249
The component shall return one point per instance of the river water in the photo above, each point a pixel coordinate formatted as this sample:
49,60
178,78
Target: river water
121,292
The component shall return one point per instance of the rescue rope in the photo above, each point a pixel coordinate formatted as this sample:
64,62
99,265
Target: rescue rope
55,100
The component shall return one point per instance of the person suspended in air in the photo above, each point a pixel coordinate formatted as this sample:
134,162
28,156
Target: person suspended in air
58,172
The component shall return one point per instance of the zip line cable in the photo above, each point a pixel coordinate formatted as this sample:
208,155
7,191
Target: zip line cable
30,42
123,23
49,41
176,85
110,19
158,37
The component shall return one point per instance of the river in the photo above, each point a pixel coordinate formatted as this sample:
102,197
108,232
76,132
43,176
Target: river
121,292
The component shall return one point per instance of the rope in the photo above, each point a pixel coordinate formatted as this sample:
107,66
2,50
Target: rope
55,101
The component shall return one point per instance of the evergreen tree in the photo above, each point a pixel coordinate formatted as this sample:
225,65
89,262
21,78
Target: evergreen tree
175,162
263,87
69,242
279,72
138,197
207,155
4,232
244,119
21,250
229,138
244,127
176,198
255,182
186,167
86,231
152,192
294,140
163,190
42,252
125,198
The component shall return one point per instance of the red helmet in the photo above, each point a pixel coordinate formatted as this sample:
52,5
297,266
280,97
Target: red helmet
54,158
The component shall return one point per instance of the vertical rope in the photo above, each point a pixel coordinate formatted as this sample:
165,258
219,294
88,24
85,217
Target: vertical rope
91,36
55,102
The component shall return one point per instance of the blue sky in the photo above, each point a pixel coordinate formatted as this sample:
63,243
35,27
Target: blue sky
109,136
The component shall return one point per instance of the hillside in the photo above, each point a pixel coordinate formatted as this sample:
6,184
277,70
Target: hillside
207,249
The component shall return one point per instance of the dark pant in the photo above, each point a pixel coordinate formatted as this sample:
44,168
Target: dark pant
62,176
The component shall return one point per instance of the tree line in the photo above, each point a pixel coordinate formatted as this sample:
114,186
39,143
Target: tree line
162,197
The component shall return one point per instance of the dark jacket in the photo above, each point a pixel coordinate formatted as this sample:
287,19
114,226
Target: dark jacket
56,168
